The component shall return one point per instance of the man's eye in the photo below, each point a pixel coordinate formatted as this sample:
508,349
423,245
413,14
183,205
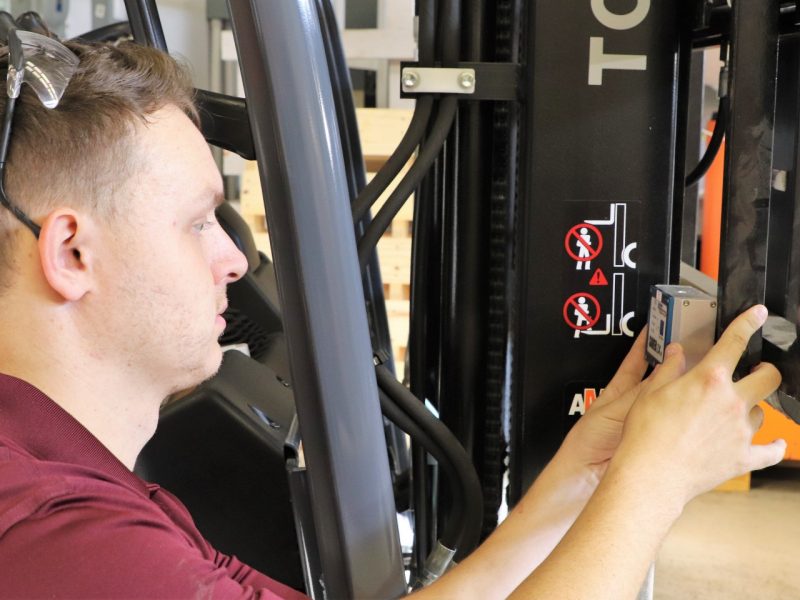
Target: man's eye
200,227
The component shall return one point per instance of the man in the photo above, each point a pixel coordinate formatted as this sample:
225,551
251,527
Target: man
116,305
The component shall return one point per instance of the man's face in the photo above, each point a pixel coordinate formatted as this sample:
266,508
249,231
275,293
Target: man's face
167,261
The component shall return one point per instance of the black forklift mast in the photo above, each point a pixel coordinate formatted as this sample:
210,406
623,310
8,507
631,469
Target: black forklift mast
556,196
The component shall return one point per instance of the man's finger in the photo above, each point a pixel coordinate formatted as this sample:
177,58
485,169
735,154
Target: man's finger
760,383
768,455
733,342
629,374
673,367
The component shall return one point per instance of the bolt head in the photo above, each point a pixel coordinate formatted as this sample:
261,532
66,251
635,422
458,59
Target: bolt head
466,80
410,79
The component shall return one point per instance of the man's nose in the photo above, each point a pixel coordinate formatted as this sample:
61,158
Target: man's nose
231,264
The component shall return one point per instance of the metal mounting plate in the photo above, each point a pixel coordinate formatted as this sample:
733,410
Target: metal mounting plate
437,80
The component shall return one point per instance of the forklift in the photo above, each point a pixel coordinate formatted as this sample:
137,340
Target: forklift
557,159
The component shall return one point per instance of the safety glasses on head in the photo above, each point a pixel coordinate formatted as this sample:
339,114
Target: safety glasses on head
47,66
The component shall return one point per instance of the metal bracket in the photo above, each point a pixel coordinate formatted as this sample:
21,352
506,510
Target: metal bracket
472,80
437,80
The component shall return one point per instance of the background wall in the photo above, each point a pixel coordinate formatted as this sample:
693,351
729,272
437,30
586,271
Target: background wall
184,23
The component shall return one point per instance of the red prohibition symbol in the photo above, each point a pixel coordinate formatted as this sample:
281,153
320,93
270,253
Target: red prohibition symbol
579,315
589,250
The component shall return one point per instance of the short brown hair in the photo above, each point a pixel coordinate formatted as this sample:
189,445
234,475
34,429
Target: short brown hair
81,154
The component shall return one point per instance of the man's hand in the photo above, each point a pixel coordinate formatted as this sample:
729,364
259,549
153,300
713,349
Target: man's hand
684,435
593,440
680,435
696,431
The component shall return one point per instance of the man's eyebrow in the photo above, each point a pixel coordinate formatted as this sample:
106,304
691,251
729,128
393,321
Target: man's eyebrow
212,199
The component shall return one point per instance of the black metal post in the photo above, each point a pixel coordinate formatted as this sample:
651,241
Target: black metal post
145,23
748,164
291,107
596,206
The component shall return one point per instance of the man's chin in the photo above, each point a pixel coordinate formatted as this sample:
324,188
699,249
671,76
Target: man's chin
192,377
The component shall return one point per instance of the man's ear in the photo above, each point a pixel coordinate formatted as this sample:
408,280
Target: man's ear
65,253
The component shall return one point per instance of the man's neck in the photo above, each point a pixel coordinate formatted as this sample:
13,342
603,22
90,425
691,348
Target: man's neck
114,406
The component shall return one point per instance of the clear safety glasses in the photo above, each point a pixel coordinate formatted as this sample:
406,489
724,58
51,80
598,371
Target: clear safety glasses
47,66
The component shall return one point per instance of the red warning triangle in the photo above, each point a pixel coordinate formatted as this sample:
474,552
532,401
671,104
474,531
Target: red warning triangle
598,278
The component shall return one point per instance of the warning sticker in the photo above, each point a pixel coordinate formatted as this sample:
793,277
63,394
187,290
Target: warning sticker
599,278
583,243
581,312
599,255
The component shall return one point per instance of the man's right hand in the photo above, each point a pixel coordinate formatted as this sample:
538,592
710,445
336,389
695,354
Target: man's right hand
685,434
693,432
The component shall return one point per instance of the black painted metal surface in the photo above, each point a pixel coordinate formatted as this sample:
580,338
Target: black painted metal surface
748,165
291,109
145,23
224,122
780,335
598,164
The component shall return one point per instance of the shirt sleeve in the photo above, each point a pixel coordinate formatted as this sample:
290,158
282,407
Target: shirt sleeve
90,548
249,577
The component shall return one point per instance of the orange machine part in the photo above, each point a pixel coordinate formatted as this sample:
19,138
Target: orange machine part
712,213
777,426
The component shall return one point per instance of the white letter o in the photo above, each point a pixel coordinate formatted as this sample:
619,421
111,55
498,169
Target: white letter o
620,22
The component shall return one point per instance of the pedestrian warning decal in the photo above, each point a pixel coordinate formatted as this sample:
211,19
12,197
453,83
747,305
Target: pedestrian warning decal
583,243
581,311
598,278
599,256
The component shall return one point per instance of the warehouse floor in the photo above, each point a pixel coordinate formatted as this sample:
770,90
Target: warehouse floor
736,545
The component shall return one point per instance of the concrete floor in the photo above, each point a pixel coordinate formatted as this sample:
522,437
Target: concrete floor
736,545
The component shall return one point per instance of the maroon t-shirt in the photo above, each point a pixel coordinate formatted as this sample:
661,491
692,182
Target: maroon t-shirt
76,523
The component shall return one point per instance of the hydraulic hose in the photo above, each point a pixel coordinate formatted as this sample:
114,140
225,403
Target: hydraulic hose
449,40
456,459
419,434
419,121
416,129
430,150
714,145
723,115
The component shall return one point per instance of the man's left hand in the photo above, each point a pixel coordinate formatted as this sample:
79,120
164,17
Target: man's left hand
593,440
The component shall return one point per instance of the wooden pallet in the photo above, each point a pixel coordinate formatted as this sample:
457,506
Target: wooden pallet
394,255
381,130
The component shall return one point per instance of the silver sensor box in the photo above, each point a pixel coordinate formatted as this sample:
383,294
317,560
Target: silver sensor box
683,314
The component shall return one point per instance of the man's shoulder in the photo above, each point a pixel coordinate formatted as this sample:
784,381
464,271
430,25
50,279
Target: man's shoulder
31,489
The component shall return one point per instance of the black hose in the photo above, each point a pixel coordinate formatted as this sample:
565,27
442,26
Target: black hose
430,150
419,121
471,496
714,145
420,338
416,129
398,416
449,38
